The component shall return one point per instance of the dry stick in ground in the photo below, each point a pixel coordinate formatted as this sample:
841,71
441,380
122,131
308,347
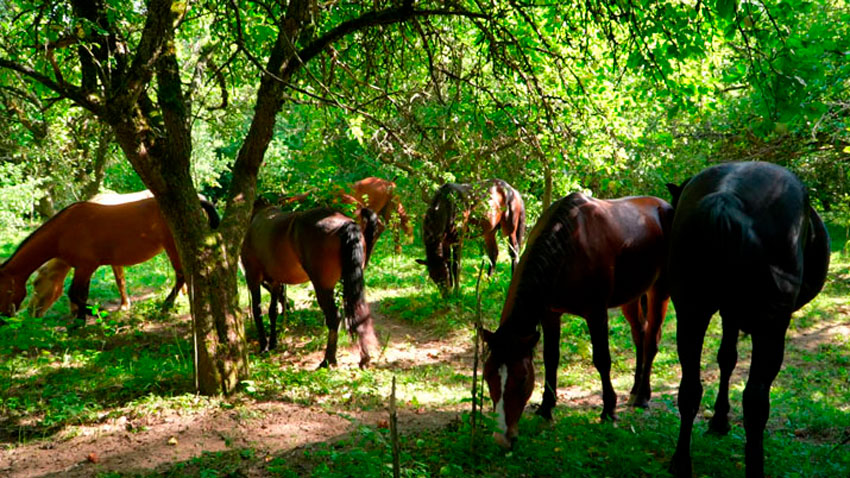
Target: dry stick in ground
475,361
394,433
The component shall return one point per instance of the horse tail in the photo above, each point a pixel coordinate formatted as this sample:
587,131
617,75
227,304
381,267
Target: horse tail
520,228
352,257
815,259
729,226
371,227
212,214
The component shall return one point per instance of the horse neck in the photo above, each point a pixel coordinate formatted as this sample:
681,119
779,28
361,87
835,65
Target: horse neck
520,314
36,249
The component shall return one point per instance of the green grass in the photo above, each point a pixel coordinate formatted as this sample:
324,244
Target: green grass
138,363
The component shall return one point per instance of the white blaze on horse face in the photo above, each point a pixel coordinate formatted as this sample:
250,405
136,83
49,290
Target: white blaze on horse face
500,405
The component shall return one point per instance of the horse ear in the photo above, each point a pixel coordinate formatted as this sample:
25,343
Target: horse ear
422,261
486,335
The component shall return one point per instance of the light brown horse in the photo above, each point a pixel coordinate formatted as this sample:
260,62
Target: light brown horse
379,195
87,235
50,277
319,245
460,210
583,257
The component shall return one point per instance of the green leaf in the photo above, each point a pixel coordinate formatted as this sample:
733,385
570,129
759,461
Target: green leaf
726,9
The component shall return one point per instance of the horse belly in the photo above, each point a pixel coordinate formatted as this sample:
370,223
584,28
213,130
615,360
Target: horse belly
286,267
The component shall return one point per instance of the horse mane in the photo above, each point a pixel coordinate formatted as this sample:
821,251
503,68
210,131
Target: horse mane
550,238
36,232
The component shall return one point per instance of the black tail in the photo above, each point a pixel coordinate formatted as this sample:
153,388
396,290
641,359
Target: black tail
728,227
353,294
212,214
815,260
372,228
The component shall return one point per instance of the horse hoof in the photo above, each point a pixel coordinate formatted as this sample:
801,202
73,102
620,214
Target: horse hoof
544,412
503,441
608,417
718,426
326,364
635,401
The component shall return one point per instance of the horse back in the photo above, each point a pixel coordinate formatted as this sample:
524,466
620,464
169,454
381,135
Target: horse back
743,236
117,234
585,253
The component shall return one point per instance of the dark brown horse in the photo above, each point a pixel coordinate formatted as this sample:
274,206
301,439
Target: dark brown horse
87,235
583,257
372,193
745,242
319,245
458,211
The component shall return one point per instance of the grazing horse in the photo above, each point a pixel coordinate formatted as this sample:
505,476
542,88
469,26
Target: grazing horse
319,245
488,205
85,236
745,242
583,257
50,277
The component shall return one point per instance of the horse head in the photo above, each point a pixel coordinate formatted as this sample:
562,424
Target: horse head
438,267
12,292
509,372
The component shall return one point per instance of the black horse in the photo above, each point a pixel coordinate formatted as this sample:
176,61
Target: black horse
458,211
747,243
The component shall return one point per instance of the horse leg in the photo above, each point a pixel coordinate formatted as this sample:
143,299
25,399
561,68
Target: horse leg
768,353
690,331
78,293
254,289
455,266
656,311
492,250
597,323
325,297
727,357
637,322
551,325
179,278
513,250
275,299
121,282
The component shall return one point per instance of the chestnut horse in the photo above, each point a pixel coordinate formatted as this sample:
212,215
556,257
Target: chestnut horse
87,235
745,242
50,277
379,195
583,257
319,245
492,204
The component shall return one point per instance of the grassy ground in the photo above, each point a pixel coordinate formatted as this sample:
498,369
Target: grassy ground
138,364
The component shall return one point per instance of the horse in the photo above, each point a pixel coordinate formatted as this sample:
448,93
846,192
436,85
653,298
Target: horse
50,277
493,204
583,257
319,245
85,236
379,196
745,242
